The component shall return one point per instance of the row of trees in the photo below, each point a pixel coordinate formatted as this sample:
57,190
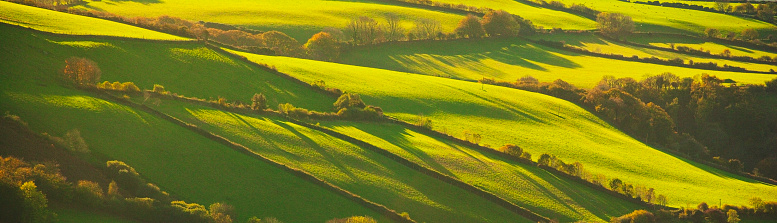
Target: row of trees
698,116
704,213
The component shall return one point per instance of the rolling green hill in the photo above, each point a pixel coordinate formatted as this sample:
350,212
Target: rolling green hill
58,22
350,167
538,123
185,68
510,59
694,43
597,44
181,162
546,18
527,185
300,19
651,18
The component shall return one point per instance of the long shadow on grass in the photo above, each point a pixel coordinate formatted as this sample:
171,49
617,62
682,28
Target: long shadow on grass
457,54
599,204
312,144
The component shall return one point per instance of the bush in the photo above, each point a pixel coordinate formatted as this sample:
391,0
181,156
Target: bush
614,24
159,89
89,193
512,150
500,23
81,71
258,102
424,122
638,216
349,100
323,46
470,27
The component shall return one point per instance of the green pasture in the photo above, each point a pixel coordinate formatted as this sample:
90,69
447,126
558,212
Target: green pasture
536,122
350,167
64,23
72,215
525,185
510,59
596,44
651,18
696,43
187,165
300,19
188,69
547,18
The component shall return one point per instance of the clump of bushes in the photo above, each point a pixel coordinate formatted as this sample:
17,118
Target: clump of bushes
129,87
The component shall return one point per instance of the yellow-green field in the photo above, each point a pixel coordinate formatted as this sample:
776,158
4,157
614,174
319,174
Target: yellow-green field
599,45
58,22
300,19
526,185
189,166
546,18
651,18
510,59
713,47
536,122
350,167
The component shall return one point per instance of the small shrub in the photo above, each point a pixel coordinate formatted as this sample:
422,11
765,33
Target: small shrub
159,89
512,150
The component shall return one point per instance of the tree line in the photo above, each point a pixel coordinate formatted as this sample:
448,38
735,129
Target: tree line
702,116
702,213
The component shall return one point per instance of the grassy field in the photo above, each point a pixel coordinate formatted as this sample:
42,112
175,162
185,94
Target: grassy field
546,18
350,167
596,44
187,165
510,59
694,43
538,123
177,66
300,19
651,18
526,185
71,215
58,22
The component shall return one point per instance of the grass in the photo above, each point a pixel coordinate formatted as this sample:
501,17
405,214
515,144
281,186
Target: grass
510,59
538,123
350,167
596,44
651,18
693,43
185,68
300,19
528,186
64,23
547,18
187,165
72,215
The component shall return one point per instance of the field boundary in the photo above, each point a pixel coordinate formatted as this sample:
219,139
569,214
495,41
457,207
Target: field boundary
379,208
657,61
694,53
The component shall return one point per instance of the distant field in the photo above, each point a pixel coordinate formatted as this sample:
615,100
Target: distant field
538,123
539,16
523,184
181,162
599,45
300,19
350,167
510,59
666,19
58,22
693,43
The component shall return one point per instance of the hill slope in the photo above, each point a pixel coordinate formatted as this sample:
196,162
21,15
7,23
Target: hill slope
64,23
538,123
181,162
510,59
300,19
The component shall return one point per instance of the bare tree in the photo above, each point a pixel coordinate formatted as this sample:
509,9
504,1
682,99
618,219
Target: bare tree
394,30
364,30
426,28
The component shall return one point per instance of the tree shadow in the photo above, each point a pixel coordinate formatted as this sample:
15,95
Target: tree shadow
448,57
320,150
